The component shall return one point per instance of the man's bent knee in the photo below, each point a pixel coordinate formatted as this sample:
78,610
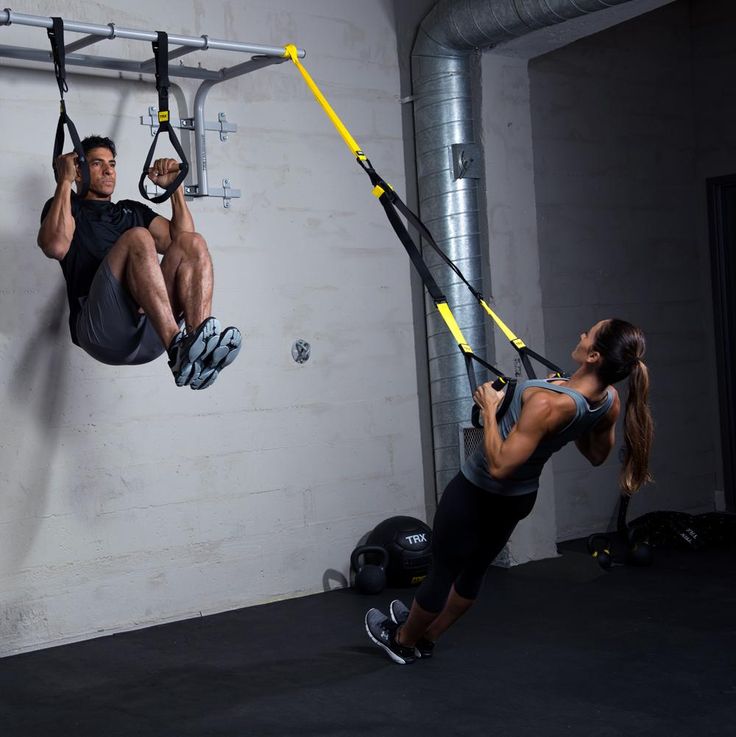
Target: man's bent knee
136,243
192,242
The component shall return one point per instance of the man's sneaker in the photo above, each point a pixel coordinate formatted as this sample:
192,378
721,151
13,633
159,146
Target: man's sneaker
223,354
382,632
399,614
188,353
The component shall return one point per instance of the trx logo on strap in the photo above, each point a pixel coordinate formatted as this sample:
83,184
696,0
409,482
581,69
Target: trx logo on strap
163,116
519,343
378,191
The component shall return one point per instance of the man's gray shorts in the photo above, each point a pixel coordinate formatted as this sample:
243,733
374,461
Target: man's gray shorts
109,326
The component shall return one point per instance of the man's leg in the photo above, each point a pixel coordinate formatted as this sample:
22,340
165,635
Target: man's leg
133,261
187,272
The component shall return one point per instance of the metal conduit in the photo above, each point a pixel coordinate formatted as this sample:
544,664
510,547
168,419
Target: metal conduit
443,115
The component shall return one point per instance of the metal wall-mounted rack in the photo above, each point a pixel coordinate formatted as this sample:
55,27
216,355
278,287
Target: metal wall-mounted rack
263,56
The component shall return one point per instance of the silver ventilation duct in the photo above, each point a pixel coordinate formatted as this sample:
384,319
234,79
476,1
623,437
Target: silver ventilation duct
448,193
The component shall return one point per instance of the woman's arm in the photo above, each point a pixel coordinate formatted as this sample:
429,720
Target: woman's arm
538,417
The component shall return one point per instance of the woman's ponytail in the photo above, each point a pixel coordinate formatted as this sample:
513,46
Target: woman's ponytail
638,432
621,346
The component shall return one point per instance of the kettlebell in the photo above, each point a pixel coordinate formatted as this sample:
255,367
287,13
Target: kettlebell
639,551
369,577
599,546
639,554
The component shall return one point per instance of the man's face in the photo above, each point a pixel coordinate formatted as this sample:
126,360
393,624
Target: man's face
101,173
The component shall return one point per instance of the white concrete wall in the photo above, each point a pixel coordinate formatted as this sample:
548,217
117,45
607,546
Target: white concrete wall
596,156
514,257
617,207
125,501
513,253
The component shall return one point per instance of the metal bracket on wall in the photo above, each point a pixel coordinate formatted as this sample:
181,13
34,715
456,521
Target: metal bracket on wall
222,126
192,190
466,160
191,124
262,56
227,192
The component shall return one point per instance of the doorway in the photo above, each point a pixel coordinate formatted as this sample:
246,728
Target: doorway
722,224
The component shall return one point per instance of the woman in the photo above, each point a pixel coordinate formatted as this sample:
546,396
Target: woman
497,485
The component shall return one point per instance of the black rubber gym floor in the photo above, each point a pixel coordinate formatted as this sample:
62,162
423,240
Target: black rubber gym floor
556,647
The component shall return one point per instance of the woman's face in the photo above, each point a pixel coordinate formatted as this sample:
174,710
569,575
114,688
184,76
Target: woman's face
585,345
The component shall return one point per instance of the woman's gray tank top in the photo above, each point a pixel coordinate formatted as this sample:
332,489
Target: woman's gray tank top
525,479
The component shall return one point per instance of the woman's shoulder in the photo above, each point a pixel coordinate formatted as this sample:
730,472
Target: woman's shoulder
547,407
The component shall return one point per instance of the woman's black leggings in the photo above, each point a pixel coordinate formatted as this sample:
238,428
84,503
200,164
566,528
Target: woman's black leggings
471,527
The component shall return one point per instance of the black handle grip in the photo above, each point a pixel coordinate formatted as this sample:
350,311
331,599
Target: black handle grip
509,386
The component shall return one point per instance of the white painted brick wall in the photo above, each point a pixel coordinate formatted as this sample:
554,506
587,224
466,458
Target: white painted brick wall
126,501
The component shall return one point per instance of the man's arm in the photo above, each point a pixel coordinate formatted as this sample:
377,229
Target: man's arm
597,444
57,229
536,420
164,231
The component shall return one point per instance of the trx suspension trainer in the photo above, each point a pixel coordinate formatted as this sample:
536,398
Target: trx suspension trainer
56,37
161,55
393,205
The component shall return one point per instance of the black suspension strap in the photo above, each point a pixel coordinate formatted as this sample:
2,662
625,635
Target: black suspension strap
525,353
161,55
56,37
391,202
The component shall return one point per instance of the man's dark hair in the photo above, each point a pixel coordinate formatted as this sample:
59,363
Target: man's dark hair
99,142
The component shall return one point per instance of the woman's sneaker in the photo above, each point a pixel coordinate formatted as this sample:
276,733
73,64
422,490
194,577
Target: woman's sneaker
399,614
189,352
382,632
223,354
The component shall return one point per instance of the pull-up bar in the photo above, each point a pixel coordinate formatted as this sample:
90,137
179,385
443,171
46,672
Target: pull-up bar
109,31
262,56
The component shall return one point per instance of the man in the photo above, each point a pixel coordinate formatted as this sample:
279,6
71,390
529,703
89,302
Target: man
125,306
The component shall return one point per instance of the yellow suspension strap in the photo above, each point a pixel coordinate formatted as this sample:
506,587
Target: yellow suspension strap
389,200
392,202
